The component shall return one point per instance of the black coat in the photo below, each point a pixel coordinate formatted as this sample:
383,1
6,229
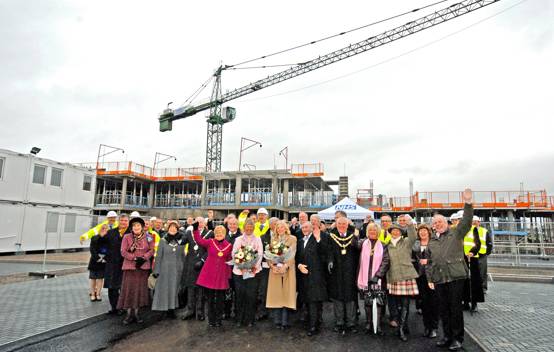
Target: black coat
99,247
114,261
343,277
312,286
231,239
192,267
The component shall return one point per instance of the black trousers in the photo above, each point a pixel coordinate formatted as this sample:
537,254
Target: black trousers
229,308
262,291
450,309
314,312
345,313
483,267
428,304
196,300
215,299
246,295
113,296
394,309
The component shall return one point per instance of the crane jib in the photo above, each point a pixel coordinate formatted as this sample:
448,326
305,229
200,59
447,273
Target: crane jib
412,27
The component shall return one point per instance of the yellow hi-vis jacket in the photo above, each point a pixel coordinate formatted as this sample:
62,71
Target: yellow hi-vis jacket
384,237
469,241
94,231
257,231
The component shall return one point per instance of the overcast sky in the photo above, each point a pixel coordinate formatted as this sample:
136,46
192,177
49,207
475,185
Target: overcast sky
474,109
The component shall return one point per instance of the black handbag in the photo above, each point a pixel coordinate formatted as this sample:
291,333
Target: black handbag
198,265
374,294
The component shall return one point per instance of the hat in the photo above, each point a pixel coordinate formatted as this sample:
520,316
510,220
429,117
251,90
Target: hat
173,222
394,226
263,211
456,216
135,214
153,218
136,219
111,214
476,218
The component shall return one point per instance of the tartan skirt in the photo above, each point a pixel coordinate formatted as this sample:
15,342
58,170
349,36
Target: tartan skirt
403,288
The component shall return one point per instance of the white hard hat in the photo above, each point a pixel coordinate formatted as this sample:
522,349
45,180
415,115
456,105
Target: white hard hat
476,218
263,211
111,214
454,216
153,218
135,214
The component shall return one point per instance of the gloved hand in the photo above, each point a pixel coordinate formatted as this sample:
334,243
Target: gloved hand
330,267
374,280
195,225
139,261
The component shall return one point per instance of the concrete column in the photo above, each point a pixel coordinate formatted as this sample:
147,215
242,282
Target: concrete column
151,195
285,193
123,193
274,186
238,189
203,195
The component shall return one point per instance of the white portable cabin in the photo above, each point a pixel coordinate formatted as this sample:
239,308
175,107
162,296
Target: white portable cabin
43,203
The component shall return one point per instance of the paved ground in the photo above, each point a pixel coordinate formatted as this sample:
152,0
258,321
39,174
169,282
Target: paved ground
16,268
516,317
75,257
32,307
197,336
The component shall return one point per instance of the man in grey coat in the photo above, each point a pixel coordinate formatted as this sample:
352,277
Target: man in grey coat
447,272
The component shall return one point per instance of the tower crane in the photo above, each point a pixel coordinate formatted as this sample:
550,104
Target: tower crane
219,115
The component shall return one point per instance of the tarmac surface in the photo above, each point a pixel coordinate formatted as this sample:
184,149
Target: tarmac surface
17,268
56,315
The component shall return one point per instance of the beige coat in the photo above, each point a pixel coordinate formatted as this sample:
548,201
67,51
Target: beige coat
281,288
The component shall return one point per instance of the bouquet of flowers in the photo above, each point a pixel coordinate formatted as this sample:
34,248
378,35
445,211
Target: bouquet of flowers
278,252
244,258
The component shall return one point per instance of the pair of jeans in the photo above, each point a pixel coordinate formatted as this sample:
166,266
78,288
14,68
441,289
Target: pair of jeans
281,316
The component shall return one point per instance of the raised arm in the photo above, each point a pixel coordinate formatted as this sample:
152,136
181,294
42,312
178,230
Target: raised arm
199,239
465,224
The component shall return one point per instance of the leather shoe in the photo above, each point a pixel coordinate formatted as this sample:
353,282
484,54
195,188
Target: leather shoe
311,332
455,346
443,342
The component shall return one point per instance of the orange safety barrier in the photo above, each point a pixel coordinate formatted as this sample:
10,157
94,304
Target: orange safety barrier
538,200
130,168
307,170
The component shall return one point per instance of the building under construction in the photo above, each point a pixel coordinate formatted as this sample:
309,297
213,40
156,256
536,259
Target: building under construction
180,192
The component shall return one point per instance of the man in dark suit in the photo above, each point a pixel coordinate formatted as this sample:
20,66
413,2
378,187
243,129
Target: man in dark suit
310,260
113,273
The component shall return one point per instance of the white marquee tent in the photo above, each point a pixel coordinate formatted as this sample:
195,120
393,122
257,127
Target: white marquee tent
352,210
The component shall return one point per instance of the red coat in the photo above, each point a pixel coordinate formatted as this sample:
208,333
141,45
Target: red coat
216,272
144,249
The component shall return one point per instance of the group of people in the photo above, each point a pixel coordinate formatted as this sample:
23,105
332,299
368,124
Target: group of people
380,265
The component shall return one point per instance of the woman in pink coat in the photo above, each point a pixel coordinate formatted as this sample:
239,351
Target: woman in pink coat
137,248
215,273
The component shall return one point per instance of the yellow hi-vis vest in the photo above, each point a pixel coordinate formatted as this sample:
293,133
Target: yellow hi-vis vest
242,220
483,238
384,237
257,231
96,229
469,244
156,240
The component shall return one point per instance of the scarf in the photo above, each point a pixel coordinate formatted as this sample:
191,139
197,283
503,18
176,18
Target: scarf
363,274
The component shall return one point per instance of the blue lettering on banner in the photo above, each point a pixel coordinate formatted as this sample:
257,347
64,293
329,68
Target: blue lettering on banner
345,207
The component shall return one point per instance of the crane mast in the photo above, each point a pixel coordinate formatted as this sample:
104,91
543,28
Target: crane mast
219,116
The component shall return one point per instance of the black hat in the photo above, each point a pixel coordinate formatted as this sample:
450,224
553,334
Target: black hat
137,219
